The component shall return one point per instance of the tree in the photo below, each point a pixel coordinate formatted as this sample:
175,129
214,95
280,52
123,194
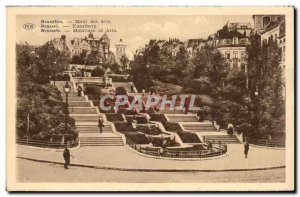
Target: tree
265,76
94,58
180,65
35,95
209,68
49,61
124,61
79,59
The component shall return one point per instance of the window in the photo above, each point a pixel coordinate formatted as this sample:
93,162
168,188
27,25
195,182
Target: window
266,21
235,54
227,55
235,64
243,67
242,55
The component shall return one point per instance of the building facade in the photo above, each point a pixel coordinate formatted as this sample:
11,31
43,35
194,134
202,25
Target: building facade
89,44
232,41
271,27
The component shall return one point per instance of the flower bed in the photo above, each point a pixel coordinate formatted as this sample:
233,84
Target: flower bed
188,137
114,117
172,126
157,117
152,130
137,138
124,127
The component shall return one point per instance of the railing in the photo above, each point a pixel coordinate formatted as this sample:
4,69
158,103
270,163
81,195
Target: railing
47,144
266,143
169,153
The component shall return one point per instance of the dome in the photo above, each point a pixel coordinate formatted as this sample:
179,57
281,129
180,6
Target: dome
120,43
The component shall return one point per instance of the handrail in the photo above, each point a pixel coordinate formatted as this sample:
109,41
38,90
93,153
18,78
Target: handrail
267,143
47,144
160,152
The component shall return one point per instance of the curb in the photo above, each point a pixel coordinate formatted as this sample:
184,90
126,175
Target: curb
149,169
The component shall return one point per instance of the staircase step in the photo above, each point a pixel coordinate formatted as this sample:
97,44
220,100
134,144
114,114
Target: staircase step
75,98
82,110
80,104
86,118
84,145
223,138
183,118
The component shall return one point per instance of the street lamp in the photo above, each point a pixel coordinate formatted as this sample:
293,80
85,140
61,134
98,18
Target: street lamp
246,134
256,107
148,77
67,89
54,72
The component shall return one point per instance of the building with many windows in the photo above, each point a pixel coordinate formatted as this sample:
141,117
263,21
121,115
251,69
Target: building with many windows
232,41
271,27
77,45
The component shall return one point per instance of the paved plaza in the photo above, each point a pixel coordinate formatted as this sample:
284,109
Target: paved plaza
122,158
30,171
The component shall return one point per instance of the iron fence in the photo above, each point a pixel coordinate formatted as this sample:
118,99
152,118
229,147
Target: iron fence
47,144
216,150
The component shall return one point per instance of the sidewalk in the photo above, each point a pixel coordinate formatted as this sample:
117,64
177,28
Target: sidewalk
122,158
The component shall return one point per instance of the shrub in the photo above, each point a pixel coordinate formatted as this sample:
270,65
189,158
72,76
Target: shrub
153,130
158,117
138,138
114,117
188,137
121,91
124,127
47,112
172,126
64,77
98,72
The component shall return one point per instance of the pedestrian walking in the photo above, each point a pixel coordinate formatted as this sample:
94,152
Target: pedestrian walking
66,156
100,124
246,147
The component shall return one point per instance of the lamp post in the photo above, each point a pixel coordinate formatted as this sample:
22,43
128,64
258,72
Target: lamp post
67,89
256,108
148,77
54,72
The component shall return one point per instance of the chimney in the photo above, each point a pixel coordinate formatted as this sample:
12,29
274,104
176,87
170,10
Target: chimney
63,37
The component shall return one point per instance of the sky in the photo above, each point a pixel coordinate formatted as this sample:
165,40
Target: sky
135,31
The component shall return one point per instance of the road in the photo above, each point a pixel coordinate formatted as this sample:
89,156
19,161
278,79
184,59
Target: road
31,171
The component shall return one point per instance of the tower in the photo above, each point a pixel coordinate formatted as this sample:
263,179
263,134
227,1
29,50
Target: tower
120,50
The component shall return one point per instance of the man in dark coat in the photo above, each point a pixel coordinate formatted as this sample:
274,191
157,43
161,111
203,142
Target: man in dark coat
79,90
66,155
100,124
131,87
246,146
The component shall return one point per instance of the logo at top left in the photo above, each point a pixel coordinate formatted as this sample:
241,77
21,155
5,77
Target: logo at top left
29,26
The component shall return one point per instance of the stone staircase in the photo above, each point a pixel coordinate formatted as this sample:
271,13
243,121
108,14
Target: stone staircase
95,139
86,121
227,139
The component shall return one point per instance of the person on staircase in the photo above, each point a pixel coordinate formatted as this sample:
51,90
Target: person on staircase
100,124
79,90
132,87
